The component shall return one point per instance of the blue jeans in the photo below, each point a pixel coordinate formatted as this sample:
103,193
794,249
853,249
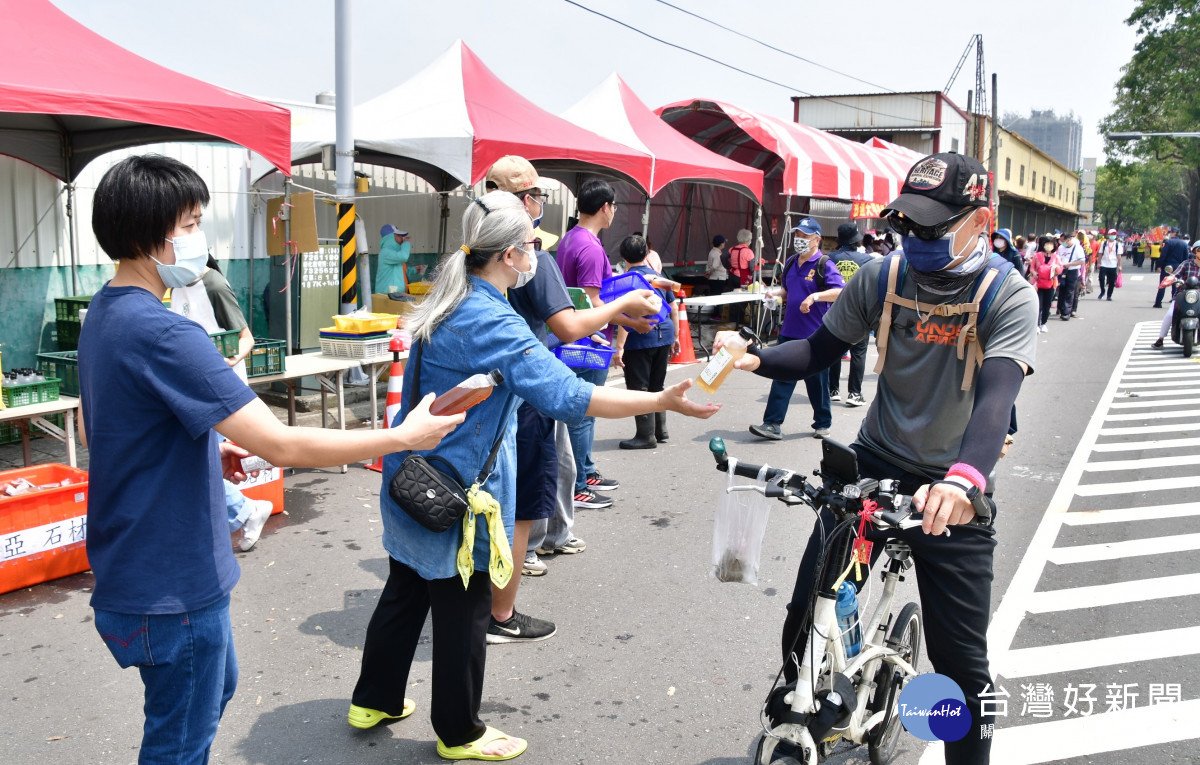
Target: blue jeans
583,433
235,507
818,395
189,669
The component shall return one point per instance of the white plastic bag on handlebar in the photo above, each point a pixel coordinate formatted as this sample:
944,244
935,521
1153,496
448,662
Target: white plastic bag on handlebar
738,529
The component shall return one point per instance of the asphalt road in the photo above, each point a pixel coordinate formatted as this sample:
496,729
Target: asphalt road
654,661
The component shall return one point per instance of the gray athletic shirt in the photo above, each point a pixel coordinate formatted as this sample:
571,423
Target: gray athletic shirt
919,413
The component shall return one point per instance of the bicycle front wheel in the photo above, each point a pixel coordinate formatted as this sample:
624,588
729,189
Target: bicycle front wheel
905,638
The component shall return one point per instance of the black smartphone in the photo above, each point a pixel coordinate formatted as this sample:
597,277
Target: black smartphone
839,462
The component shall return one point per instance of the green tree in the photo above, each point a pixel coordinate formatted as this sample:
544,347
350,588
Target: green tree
1140,195
1158,92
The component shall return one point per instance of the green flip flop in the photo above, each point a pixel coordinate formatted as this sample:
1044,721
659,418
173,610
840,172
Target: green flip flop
474,749
361,717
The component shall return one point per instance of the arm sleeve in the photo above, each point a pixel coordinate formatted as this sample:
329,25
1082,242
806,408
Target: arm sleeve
799,359
997,388
226,310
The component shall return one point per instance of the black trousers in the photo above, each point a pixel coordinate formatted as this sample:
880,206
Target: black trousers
646,368
954,578
1045,298
1109,276
460,622
858,367
1162,274
1068,292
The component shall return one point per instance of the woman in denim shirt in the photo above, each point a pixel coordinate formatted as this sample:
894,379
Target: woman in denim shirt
467,327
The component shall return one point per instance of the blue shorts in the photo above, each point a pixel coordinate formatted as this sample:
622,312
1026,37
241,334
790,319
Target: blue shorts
537,465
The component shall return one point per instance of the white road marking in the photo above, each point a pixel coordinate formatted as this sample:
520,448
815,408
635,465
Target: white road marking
1137,487
1098,595
1135,404
1129,548
1169,415
1132,446
1076,737
1130,514
1174,427
1101,652
1143,464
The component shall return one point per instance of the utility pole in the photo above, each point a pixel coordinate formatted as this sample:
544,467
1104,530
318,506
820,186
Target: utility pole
994,164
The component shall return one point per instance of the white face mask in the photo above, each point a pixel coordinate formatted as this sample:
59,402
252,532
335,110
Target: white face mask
801,246
998,243
525,277
191,255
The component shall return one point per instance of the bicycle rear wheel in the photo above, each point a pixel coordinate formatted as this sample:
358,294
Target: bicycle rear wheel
904,637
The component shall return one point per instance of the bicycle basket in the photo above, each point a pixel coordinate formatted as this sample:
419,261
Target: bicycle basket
738,529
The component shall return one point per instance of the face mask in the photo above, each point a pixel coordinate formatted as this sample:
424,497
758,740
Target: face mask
998,244
1112,239
191,255
525,277
801,246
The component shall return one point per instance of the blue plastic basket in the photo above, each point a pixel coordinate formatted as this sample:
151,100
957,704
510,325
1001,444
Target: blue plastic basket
584,355
618,286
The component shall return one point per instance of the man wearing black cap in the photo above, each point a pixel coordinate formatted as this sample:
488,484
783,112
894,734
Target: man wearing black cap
849,260
940,439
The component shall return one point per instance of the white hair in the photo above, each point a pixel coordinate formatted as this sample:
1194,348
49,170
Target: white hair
491,225
744,236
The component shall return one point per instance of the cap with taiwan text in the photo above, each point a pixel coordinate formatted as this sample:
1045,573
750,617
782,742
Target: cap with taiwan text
939,186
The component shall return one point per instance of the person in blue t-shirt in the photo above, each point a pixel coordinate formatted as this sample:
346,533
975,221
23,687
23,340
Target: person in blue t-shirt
645,355
810,282
155,393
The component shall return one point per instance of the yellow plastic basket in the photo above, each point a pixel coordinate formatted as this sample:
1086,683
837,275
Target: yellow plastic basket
419,288
365,325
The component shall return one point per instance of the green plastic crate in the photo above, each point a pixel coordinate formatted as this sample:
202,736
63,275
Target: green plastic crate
68,323
11,434
67,309
226,342
63,366
267,358
31,393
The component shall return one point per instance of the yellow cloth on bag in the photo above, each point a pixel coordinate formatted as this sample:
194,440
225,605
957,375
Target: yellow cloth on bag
500,562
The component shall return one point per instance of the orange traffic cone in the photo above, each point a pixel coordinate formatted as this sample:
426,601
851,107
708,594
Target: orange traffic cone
687,354
391,406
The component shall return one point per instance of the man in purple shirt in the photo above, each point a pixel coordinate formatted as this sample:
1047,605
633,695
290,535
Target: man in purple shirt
584,264
810,282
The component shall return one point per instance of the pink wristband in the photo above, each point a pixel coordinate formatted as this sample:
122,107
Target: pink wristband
964,470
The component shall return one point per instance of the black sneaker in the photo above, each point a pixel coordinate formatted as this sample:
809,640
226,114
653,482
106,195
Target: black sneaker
855,399
519,628
597,482
587,499
769,431
835,395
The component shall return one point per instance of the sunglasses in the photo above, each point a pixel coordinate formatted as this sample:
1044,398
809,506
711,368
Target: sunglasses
907,227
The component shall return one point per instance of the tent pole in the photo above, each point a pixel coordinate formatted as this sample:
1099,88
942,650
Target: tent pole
288,271
71,236
646,218
758,245
443,220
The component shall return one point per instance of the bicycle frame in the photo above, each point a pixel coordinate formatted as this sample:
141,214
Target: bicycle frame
824,640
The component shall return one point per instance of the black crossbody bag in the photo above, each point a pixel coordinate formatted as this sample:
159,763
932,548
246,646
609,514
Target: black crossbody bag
433,497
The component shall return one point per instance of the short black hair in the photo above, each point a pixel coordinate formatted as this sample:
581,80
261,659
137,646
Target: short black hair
634,248
593,195
139,201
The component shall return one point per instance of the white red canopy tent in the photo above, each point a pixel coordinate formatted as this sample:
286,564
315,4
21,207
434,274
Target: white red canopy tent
614,111
908,154
454,118
808,162
68,95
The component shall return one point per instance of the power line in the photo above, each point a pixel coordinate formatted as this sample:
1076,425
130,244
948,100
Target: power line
727,65
772,47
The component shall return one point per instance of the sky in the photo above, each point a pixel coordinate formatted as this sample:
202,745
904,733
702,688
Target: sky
1046,53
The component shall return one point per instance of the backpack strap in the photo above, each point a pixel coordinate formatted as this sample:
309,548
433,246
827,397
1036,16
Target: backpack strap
969,347
889,277
819,275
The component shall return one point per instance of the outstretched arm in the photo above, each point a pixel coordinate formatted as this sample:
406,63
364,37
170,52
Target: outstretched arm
795,360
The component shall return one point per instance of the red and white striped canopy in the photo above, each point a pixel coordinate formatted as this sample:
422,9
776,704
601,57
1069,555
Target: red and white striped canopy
809,162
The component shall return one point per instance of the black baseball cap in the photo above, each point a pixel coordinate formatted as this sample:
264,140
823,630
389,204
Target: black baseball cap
939,186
